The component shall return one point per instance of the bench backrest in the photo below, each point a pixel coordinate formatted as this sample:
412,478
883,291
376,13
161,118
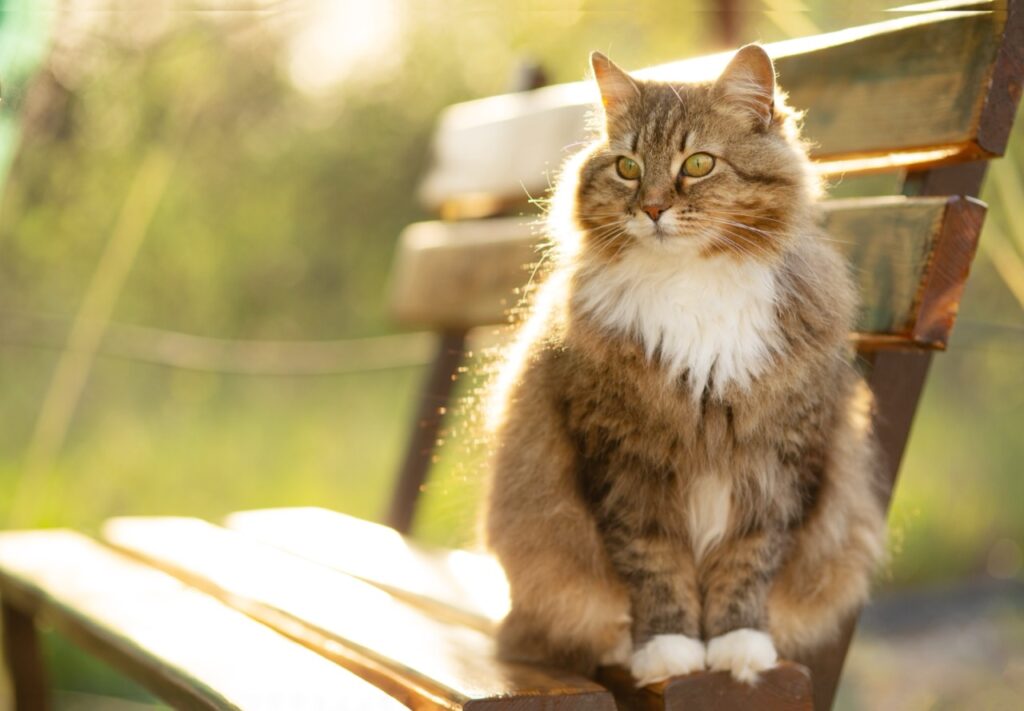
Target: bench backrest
910,257
927,97
913,92
923,90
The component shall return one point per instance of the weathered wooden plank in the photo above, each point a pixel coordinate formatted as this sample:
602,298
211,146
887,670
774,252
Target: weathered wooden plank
473,586
1005,86
910,257
461,274
785,687
462,585
945,275
425,662
192,650
912,91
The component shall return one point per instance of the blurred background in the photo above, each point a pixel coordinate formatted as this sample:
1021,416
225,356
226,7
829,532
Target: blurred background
200,201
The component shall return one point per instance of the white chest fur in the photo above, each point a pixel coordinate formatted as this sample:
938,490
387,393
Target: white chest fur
707,512
711,317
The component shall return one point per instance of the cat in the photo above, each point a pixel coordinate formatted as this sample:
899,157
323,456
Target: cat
683,475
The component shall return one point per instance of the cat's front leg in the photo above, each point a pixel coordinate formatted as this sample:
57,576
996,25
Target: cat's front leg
735,578
664,604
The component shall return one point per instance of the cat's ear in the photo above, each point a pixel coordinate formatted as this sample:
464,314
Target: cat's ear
748,84
617,88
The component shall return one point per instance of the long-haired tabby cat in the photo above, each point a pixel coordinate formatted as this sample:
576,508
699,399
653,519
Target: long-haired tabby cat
683,474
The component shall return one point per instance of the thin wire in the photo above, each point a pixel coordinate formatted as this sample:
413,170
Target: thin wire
184,351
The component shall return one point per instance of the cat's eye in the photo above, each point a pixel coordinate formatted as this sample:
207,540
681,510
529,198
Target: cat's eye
698,165
628,168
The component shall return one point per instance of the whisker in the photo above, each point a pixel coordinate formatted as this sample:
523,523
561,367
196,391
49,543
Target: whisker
733,223
747,241
605,232
739,213
736,213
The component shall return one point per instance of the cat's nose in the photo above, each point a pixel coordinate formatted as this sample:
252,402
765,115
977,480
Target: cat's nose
655,211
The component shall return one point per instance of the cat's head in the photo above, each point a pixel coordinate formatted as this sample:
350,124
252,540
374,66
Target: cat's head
698,168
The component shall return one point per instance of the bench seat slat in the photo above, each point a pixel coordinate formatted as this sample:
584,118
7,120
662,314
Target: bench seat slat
463,584
913,91
910,258
473,583
426,662
190,649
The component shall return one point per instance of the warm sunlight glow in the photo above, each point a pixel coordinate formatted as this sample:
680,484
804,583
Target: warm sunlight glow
281,589
468,584
482,580
887,162
338,39
159,620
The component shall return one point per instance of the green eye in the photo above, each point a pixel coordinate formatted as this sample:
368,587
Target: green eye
698,165
628,168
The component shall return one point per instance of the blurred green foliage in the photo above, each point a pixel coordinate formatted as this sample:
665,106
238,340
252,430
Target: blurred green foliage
279,222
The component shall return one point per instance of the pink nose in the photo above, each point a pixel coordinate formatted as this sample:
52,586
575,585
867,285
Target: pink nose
655,211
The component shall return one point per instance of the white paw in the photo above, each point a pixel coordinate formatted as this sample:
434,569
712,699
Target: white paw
744,652
620,653
666,655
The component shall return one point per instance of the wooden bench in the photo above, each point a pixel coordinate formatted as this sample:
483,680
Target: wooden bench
192,650
926,98
304,608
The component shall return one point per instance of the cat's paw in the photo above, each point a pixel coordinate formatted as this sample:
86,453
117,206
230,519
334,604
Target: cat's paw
666,655
744,652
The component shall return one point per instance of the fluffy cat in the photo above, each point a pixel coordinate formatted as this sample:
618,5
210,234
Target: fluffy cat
683,475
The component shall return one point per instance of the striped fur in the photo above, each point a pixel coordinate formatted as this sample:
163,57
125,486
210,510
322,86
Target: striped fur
681,446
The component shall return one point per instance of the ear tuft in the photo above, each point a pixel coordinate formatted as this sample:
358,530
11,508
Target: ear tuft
616,86
748,84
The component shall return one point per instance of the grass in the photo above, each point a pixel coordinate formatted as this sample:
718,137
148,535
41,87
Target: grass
152,441
75,670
